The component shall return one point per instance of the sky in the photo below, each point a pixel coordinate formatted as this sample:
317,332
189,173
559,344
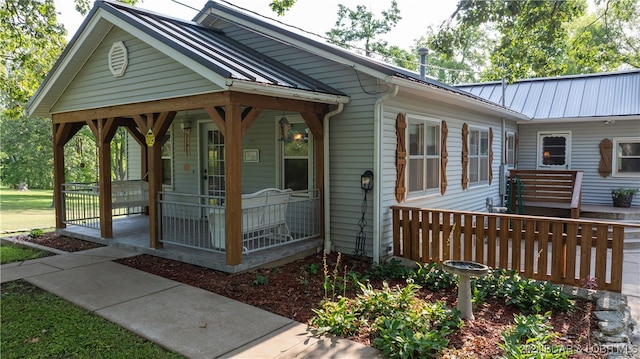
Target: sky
316,16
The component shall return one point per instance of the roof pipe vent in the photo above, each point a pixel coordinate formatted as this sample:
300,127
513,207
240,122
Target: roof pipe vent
423,51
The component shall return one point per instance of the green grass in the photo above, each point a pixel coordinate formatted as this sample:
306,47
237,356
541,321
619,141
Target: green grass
9,254
25,210
37,324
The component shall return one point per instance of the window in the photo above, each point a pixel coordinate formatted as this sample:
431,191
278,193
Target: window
554,150
478,156
423,169
167,161
510,149
295,156
627,156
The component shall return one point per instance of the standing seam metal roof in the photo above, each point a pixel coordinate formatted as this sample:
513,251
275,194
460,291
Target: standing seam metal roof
594,95
212,49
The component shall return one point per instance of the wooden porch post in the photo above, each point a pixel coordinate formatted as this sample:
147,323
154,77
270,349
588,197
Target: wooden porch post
233,192
58,174
314,122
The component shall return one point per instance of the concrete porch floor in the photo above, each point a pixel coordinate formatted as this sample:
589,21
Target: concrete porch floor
132,233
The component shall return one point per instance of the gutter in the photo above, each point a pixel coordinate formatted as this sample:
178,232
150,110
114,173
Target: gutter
285,92
326,193
378,116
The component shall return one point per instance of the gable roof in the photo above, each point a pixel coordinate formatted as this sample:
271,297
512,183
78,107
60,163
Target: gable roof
217,57
598,96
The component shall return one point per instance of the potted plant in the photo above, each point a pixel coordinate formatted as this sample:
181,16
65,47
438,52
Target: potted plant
622,196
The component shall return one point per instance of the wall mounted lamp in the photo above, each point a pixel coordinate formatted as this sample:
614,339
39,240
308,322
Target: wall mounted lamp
366,184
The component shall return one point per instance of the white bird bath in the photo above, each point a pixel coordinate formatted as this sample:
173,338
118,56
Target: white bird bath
466,270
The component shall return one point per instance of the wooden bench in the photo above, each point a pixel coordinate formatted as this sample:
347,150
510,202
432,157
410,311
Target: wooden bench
263,213
127,194
545,192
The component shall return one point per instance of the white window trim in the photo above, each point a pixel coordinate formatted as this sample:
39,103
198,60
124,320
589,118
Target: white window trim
506,149
170,156
488,156
429,121
614,157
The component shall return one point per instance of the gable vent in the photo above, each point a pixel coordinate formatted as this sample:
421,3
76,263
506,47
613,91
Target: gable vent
118,59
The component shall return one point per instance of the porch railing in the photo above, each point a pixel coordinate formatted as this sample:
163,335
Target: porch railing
198,221
81,201
563,251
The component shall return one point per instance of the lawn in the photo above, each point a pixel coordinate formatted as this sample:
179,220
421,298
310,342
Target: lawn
25,210
37,324
9,254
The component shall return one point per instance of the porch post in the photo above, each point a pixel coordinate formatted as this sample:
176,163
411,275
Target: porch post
58,174
233,184
314,122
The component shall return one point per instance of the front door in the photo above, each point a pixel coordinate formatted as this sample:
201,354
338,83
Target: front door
212,166
554,150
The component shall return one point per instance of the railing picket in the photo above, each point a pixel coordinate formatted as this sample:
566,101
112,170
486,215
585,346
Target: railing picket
468,236
602,239
529,246
457,233
479,231
396,232
414,253
426,237
446,236
543,249
617,246
435,236
504,243
586,240
491,241
406,234
572,235
557,268
516,244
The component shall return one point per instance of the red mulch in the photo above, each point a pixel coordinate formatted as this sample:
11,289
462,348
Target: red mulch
291,290
50,239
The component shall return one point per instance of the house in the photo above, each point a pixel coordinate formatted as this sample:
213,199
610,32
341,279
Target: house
585,122
230,111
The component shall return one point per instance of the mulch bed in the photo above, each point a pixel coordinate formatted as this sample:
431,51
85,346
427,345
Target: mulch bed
292,290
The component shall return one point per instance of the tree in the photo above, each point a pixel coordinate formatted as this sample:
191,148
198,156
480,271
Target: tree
363,28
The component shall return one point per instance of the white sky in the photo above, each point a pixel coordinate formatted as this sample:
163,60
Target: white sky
317,16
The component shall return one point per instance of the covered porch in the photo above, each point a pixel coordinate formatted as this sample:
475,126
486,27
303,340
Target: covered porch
226,229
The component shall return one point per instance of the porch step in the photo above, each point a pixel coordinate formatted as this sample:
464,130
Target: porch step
608,212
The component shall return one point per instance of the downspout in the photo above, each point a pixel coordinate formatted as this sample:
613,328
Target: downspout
377,170
327,184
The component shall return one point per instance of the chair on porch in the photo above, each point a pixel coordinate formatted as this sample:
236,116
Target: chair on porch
263,215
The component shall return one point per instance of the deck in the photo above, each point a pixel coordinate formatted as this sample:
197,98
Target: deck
132,233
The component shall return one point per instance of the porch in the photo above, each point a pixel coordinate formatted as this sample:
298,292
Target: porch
276,224
132,233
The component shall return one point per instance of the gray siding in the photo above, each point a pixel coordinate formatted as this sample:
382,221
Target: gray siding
585,153
472,199
150,75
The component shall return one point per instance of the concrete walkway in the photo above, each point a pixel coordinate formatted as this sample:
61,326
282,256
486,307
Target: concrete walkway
184,319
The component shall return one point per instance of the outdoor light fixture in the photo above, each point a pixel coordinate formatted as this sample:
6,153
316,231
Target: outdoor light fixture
366,181
366,184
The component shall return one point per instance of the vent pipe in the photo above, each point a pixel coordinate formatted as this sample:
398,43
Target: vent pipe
423,51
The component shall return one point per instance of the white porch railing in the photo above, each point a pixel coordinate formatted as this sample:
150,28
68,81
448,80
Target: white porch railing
81,201
199,221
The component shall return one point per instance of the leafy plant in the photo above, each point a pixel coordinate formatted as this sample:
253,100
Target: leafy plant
531,337
36,232
623,192
433,277
392,269
259,280
312,269
402,324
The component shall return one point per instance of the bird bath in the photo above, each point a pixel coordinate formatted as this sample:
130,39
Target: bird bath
466,270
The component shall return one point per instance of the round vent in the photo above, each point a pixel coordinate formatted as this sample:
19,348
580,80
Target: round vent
118,59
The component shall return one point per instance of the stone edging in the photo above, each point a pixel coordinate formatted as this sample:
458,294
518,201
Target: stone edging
615,324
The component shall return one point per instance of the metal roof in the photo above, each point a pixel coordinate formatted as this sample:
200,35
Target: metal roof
214,50
579,96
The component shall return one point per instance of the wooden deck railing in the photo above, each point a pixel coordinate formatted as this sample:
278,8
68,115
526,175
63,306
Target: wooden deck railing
563,251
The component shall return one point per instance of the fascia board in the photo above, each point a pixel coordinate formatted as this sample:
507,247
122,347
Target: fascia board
285,92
